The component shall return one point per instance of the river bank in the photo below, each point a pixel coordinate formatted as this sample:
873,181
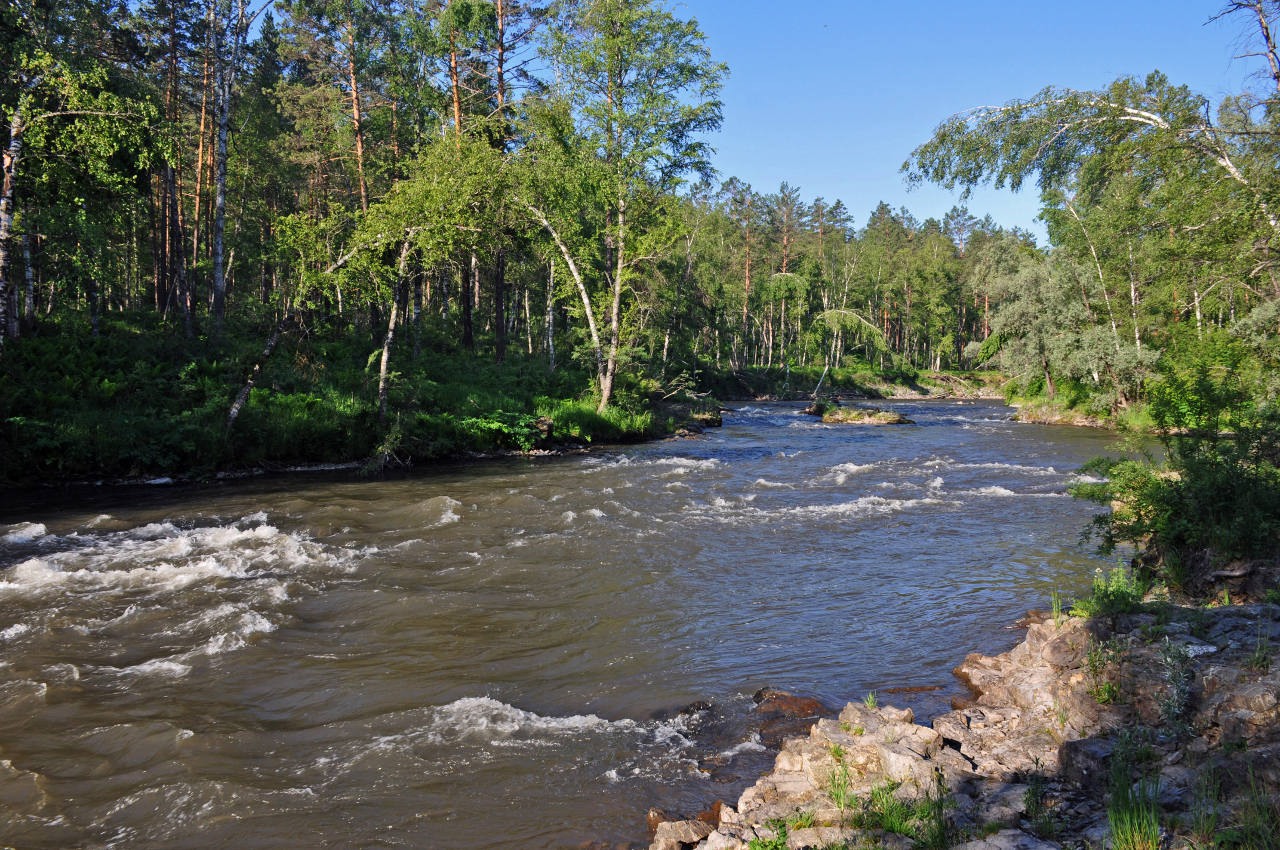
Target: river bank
803,384
1157,727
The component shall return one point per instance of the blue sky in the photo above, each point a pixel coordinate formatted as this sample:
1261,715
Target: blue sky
832,96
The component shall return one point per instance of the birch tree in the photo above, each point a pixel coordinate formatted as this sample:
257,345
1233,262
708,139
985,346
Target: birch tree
642,88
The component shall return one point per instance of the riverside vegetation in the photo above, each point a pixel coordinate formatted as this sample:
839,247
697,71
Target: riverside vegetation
1145,715
248,236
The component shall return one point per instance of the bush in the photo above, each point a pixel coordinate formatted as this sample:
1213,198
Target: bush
1217,496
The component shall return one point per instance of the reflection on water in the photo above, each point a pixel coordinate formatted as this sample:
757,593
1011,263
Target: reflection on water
494,656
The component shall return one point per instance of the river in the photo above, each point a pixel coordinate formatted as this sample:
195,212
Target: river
495,655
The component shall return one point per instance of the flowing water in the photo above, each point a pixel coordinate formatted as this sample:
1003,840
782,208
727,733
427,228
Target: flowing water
495,656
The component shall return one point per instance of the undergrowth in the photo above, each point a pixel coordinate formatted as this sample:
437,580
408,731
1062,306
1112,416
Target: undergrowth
139,400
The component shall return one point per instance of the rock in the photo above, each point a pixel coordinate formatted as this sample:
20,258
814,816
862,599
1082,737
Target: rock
774,701
655,817
1097,833
820,837
711,815
889,840
675,835
720,841
1085,763
783,715
1031,713
1008,839
1064,650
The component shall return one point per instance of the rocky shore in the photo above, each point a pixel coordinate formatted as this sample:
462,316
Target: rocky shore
1042,413
1172,713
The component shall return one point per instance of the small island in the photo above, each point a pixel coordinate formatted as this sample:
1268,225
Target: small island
833,414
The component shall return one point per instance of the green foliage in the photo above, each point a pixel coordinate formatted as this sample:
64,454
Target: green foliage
778,842
1260,659
1119,591
1133,814
1175,702
1099,658
887,811
580,421
1218,495
924,819
1204,807
137,401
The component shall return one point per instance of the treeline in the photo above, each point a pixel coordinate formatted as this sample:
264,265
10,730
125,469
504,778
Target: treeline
476,175
1163,210
390,191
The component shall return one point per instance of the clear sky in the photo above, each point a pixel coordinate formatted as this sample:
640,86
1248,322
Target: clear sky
832,95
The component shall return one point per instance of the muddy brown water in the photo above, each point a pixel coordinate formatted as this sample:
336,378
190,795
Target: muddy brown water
495,656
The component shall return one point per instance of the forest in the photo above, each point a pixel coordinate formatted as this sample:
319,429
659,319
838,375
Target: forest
237,234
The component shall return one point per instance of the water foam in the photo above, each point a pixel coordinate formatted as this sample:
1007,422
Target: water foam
726,512
488,721
950,463
160,557
448,510
997,491
154,584
750,745
24,532
844,471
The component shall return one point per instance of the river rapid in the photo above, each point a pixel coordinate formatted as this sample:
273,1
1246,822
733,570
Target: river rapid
496,655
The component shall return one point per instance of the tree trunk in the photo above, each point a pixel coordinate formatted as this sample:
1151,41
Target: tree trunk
400,295
615,313
468,293
202,136
178,287
222,108
12,157
596,347
746,289
243,395
500,306
551,316
355,115
453,87
29,302
227,58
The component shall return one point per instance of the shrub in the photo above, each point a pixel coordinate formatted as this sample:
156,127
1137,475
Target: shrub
1217,496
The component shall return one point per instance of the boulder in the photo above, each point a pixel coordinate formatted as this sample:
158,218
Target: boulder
679,834
1085,763
782,715
720,841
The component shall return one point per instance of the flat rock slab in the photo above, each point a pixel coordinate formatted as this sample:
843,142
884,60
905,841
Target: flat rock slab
1008,839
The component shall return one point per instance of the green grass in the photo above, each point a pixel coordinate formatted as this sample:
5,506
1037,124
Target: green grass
1257,823
839,783
1134,816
